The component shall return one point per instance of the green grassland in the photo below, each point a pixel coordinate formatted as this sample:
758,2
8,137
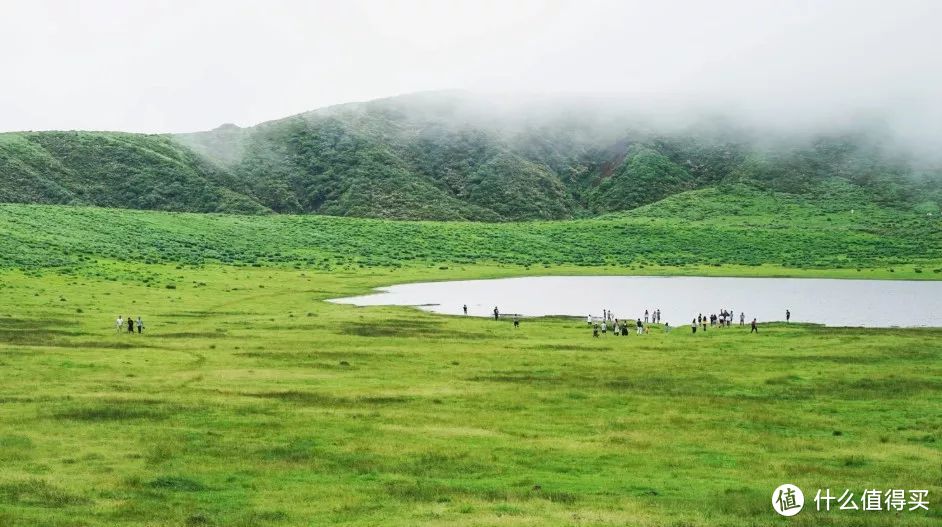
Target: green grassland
250,401
726,230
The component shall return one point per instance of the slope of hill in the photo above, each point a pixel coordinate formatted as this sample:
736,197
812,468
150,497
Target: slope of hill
114,170
449,156
728,226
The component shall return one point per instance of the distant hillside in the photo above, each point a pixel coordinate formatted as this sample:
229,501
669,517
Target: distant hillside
114,170
450,156
694,230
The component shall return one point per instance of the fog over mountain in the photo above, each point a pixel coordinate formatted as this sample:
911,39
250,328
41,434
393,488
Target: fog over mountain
467,110
187,66
459,156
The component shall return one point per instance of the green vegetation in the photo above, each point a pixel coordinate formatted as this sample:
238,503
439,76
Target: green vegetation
251,402
113,170
451,157
699,232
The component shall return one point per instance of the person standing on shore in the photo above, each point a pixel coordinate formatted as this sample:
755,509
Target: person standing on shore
788,316
465,308
496,313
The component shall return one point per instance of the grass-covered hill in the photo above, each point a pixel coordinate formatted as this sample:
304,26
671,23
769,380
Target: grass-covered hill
114,170
450,156
729,229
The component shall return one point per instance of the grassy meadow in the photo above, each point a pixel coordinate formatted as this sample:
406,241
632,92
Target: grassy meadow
249,401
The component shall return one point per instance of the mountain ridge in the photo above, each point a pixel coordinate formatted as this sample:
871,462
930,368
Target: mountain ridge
448,156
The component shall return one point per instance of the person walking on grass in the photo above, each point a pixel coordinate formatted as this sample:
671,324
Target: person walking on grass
640,327
755,327
465,308
496,313
742,319
595,330
119,324
624,328
588,320
604,326
140,325
645,316
130,324
516,321
667,327
693,326
788,316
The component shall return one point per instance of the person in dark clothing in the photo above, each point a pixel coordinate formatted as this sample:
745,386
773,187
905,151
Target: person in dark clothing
130,324
755,327
465,308
496,313
516,321
595,330
788,316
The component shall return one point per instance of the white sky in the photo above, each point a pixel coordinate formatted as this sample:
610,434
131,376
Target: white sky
177,66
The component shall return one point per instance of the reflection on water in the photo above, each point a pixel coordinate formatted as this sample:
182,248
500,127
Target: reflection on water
869,303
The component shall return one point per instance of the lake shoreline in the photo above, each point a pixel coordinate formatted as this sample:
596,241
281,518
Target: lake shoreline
823,301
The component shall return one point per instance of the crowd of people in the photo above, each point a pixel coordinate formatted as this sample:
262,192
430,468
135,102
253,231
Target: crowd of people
723,320
609,322
622,326
130,324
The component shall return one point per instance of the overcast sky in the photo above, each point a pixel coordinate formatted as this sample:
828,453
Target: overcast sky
177,66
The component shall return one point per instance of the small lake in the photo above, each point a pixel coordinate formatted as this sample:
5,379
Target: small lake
868,303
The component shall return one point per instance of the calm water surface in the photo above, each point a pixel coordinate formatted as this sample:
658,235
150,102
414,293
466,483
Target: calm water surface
869,303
